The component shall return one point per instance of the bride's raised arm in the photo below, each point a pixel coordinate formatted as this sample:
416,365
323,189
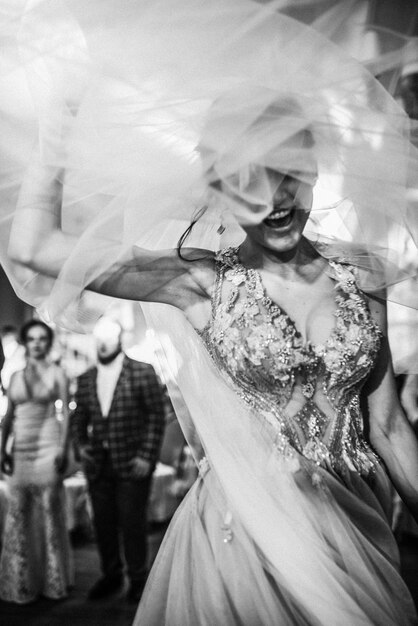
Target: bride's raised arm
37,241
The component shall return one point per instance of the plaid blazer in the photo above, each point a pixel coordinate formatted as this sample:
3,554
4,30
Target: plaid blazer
134,425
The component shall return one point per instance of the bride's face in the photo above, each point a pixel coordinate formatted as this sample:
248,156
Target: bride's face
291,203
273,206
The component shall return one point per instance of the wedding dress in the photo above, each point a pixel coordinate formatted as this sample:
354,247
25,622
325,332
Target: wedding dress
331,492
147,107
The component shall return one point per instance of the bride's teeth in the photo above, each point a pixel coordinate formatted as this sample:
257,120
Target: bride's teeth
279,217
279,214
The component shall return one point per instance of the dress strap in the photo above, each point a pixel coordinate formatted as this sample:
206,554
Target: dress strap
345,275
216,292
221,267
226,259
228,256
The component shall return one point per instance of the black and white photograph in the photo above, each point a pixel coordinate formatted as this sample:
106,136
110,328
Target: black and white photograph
209,312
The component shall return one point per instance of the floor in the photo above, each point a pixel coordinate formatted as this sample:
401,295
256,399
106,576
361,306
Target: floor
77,610
409,556
116,611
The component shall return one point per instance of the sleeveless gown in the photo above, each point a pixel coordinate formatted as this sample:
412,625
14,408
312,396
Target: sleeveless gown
35,558
214,568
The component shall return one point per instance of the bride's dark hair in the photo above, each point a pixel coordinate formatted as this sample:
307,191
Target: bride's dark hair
187,232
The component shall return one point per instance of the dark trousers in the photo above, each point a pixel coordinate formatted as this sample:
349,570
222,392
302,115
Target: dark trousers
120,512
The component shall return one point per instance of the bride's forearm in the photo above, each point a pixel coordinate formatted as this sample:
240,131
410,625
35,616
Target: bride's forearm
409,397
38,242
44,252
36,239
398,447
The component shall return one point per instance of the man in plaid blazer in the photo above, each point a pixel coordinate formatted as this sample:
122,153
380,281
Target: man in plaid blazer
117,429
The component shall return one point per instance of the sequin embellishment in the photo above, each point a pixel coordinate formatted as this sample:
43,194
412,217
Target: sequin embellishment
258,347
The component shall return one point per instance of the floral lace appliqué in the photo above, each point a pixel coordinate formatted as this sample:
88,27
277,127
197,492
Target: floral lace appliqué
259,347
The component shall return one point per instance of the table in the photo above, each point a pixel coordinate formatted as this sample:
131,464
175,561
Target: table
78,511
161,507
162,503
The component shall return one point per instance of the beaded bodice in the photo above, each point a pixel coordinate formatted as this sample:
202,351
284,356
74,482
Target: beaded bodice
308,394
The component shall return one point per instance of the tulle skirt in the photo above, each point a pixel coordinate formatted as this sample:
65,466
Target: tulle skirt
210,573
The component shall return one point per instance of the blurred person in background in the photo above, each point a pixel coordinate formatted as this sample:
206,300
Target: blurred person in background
14,353
1,384
35,560
117,427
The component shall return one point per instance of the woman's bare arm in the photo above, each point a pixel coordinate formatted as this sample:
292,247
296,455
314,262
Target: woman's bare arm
37,241
409,398
6,425
36,238
390,433
6,459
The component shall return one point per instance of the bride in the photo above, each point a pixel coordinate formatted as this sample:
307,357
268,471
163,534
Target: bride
280,353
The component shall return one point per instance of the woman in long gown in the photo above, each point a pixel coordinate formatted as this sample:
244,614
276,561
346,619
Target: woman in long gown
276,344
35,559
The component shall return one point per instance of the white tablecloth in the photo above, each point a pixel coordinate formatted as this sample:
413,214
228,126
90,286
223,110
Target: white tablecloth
162,503
161,507
77,502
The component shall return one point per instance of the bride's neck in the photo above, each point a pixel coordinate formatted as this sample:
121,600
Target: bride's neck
286,263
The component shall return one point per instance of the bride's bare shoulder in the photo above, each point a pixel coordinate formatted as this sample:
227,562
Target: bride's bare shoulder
201,267
198,285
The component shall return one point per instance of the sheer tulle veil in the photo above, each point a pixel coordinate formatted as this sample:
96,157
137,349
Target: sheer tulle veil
147,110
146,106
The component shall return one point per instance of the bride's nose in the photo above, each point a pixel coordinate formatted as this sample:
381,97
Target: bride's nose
282,192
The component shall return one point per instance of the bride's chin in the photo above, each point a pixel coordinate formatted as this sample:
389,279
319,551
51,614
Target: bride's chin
286,244
276,239
283,237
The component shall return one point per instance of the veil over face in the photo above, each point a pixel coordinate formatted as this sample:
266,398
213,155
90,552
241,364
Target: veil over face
152,115
246,170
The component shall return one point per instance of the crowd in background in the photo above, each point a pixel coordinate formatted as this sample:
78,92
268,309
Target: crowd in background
110,430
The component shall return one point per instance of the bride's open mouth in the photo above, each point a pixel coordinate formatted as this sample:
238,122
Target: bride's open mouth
280,218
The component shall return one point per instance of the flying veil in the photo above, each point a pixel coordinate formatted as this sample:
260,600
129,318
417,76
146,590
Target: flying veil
146,106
